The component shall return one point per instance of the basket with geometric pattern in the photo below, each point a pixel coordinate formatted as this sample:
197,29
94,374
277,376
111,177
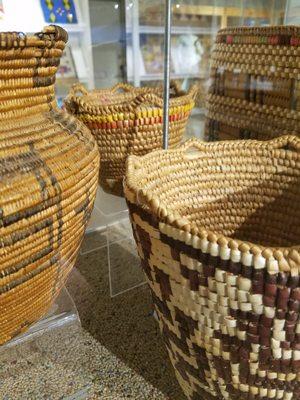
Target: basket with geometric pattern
255,84
217,227
49,164
127,120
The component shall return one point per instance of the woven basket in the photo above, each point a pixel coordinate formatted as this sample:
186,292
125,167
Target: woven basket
48,178
218,233
127,120
255,84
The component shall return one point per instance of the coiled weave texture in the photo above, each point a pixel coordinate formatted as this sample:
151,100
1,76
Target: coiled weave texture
217,227
49,166
254,91
127,120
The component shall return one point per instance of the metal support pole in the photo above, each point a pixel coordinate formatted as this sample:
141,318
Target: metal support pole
167,73
135,43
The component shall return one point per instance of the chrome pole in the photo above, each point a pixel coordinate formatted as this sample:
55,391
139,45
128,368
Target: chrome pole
167,47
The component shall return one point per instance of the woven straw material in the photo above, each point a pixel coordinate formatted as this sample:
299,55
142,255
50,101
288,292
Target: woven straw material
217,226
127,120
49,166
255,82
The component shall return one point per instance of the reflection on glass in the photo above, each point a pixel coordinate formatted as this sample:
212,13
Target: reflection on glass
128,39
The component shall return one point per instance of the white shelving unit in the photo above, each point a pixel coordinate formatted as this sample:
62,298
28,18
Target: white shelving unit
175,30
157,77
292,12
221,14
136,72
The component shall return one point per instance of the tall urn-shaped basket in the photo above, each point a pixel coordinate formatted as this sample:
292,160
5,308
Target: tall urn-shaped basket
48,178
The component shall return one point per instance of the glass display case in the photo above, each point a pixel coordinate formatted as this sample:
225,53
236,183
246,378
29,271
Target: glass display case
113,43
194,27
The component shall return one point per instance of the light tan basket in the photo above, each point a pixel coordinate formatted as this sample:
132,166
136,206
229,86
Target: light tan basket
49,166
127,120
217,227
255,82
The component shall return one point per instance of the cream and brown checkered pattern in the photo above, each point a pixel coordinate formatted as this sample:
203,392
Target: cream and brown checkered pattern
217,232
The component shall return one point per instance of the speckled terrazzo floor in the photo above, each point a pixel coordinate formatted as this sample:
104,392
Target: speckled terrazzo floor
117,354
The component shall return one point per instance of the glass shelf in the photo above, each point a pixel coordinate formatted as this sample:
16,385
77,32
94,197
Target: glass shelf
63,312
110,227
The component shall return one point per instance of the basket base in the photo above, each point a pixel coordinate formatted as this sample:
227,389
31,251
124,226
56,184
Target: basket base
110,227
62,313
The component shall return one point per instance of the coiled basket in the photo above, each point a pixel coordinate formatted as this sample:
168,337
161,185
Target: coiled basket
49,165
127,120
217,226
255,83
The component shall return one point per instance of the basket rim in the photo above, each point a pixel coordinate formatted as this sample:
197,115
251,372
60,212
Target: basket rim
140,95
288,257
256,30
48,37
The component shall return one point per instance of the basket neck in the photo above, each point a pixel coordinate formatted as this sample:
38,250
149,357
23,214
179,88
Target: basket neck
28,65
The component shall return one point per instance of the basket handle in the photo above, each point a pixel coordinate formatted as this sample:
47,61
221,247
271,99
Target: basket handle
288,142
149,98
71,101
78,88
176,86
122,86
155,100
193,91
192,143
134,162
192,148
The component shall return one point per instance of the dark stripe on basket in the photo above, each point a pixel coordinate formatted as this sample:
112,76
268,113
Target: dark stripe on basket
87,209
59,215
23,234
162,307
71,125
270,39
42,81
10,166
30,275
57,274
56,186
34,258
83,206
